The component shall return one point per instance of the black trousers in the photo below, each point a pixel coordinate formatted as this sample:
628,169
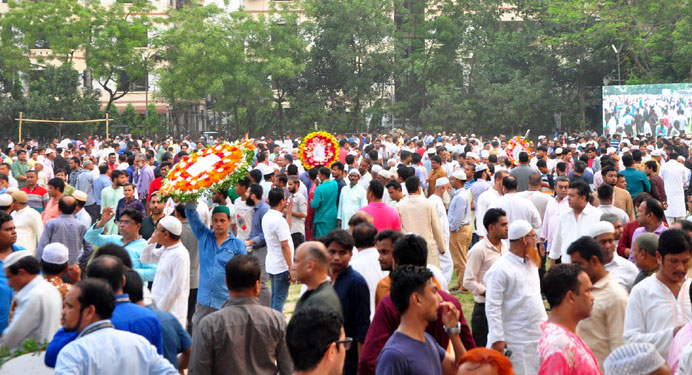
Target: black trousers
298,238
191,304
479,325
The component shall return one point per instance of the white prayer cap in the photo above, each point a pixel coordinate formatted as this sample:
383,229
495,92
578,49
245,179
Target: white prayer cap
473,155
354,171
171,224
611,150
432,150
572,145
681,159
442,181
459,175
481,167
655,153
385,174
5,200
50,151
601,227
15,257
79,195
518,229
438,144
55,253
558,151
625,149
485,153
649,148
633,359
376,168
501,154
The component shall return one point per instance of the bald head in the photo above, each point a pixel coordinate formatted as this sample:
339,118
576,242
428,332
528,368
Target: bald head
358,218
67,205
311,264
314,251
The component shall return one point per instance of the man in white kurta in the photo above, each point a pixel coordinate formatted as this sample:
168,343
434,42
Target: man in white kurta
487,199
660,304
554,209
516,206
675,178
513,304
27,221
442,185
171,286
352,199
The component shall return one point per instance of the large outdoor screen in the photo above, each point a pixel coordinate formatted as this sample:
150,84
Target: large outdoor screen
660,109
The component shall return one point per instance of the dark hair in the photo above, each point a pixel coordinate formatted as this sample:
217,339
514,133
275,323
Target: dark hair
242,272
392,235
282,178
561,166
134,286
338,165
4,217
492,216
581,186
637,155
116,173
135,215
587,247
559,280
605,170
339,236
437,159
309,334
651,165
364,235
377,188
674,241
654,206
50,269
276,195
116,251
66,208
257,191
97,293
605,192
350,158
509,183
393,183
639,198
406,280
627,160
523,157
28,264
579,166
103,169
256,176
313,172
416,158
410,249
180,210
292,170
324,171
57,183
245,181
412,184
108,268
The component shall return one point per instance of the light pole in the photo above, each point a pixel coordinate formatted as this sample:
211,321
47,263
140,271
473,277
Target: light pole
146,87
617,54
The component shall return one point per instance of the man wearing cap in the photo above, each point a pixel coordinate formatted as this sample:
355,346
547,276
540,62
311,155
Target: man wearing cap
513,304
37,303
8,237
69,231
602,331
352,199
80,213
446,263
459,224
622,271
54,265
6,203
171,285
27,221
644,248
637,358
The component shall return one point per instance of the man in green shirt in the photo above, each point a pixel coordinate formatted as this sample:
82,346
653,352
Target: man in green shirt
311,267
20,167
324,204
637,182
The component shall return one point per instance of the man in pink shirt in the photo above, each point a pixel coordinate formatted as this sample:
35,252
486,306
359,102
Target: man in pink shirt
384,217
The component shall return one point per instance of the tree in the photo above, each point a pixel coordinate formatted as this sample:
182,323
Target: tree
131,119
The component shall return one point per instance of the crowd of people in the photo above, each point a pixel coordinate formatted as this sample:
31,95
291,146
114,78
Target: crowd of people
576,254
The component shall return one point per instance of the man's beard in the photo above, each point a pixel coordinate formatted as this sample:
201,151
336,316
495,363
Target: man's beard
76,326
534,256
250,202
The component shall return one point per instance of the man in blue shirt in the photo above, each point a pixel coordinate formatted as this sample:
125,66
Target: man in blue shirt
102,182
126,317
353,293
255,241
637,182
8,236
216,247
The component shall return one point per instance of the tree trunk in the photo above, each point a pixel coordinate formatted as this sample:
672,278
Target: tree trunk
356,112
582,104
280,115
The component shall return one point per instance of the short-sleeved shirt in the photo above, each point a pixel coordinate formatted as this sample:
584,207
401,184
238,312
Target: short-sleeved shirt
404,355
38,197
275,230
175,337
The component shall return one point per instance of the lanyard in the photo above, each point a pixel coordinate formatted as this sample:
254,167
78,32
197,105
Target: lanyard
94,328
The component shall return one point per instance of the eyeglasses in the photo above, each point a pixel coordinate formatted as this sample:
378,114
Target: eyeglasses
126,222
345,342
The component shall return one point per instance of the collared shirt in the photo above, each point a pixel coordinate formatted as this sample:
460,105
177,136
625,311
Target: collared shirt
38,197
519,208
459,210
354,295
602,331
101,183
37,315
300,205
478,188
660,229
484,202
610,209
60,285
480,258
224,338
383,216
513,303
51,211
134,249
70,232
85,183
175,338
653,313
126,317
109,351
367,264
212,259
110,198
637,182
564,353
83,216
276,230
29,228
19,169
553,211
171,286
143,180
256,232
322,296
124,204
570,229
622,271
352,199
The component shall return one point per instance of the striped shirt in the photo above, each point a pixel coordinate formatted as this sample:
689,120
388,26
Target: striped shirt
38,197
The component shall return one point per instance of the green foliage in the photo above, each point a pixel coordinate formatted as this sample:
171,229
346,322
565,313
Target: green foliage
131,119
28,346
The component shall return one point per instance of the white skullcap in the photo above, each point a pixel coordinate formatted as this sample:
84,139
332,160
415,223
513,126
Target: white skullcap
385,174
558,151
485,153
354,171
431,150
438,144
55,253
5,200
442,181
459,175
15,257
518,229
473,155
79,195
625,149
681,158
391,161
501,154
610,150
650,148
481,167
50,151
633,359
172,225
376,168
655,153
601,227
572,145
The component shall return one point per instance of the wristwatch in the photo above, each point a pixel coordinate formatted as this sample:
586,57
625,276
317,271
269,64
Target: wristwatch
454,330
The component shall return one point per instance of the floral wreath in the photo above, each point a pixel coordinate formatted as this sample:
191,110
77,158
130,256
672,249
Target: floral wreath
318,148
517,145
215,167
